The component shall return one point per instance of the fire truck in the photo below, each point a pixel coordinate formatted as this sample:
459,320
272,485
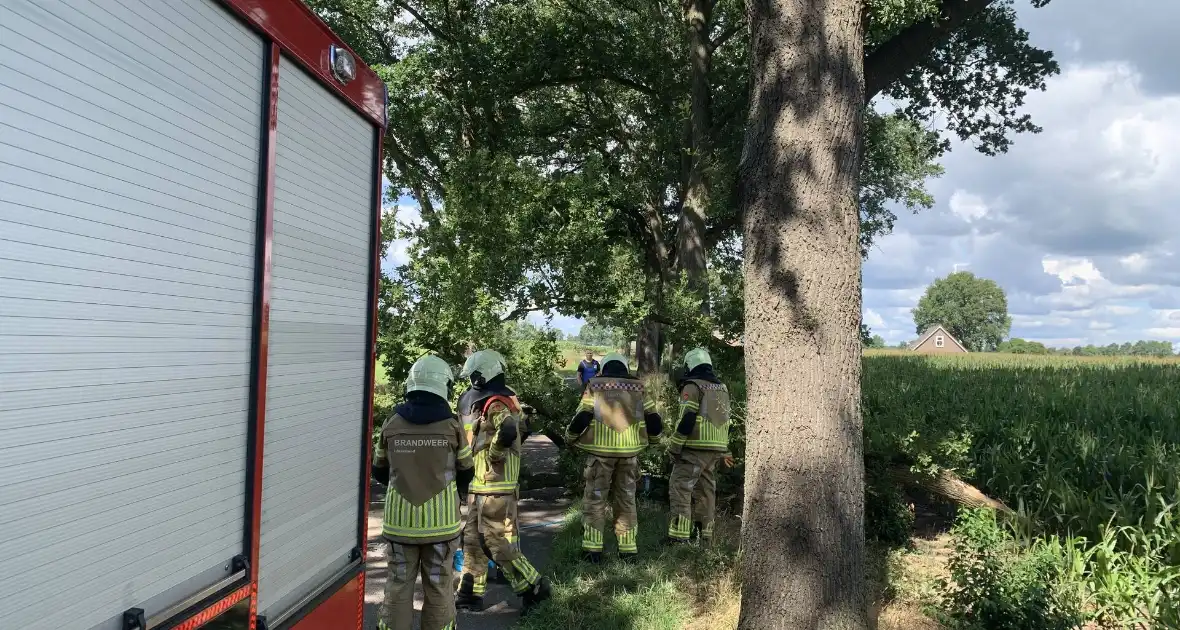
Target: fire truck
190,196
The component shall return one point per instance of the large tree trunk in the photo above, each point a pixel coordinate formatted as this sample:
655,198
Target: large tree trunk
647,347
803,519
690,232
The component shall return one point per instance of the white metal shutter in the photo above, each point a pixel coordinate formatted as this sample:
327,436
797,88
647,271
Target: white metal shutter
129,143
323,210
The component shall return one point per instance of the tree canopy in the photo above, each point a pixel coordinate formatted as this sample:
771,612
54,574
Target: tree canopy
582,156
973,309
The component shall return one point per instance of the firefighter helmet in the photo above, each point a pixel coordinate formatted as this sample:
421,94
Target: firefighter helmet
697,357
612,357
483,366
430,374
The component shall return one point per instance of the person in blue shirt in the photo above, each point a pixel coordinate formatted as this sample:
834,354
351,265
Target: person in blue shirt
588,368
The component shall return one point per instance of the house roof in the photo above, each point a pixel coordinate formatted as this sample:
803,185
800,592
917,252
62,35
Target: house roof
930,332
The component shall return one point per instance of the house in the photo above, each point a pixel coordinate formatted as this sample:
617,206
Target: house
936,340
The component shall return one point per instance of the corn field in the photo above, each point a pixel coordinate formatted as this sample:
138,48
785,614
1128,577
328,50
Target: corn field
1087,450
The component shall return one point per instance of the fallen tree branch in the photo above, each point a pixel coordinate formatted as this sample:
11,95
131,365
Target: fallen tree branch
947,485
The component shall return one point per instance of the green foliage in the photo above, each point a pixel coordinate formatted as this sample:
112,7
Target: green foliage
974,310
889,519
545,143
898,159
976,82
1087,450
995,585
593,334
1017,345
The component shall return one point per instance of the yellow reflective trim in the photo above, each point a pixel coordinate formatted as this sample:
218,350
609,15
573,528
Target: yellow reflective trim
628,542
680,528
437,516
606,450
421,533
464,453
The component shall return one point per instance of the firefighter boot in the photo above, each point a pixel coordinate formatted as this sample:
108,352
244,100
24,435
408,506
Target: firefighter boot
498,576
593,557
536,594
466,599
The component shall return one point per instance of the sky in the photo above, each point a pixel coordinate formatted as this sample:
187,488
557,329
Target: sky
1078,224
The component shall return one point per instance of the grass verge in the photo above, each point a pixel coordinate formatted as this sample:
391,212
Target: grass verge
689,587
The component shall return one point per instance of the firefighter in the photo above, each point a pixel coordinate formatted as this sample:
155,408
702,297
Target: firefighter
614,423
468,412
491,511
700,442
423,456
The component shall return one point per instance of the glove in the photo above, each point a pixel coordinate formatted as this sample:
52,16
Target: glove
507,435
381,474
463,482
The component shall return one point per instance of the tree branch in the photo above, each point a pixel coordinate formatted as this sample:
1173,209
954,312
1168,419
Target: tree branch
378,35
724,36
521,311
432,29
893,59
574,79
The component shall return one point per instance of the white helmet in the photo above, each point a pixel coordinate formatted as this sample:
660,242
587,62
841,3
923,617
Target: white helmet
612,357
488,364
430,374
696,357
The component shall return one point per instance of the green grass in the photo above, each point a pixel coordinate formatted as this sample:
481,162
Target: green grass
667,589
380,376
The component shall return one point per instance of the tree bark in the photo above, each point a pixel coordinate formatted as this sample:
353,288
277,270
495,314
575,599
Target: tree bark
647,347
803,518
949,486
690,232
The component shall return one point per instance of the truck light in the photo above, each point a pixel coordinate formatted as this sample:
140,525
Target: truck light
343,65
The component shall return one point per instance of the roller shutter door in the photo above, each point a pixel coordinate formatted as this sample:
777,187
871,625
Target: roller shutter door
129,143
323,211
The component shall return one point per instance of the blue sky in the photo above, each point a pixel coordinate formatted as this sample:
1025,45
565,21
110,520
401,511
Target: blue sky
1079,223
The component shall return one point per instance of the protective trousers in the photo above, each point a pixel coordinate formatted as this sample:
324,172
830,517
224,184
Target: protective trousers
491,523
617,476
434,563
692,493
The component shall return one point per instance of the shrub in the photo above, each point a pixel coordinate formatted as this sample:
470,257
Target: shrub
997,585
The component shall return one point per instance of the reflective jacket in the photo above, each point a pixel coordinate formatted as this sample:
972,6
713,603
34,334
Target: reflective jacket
710,402
619,406
422,499
497,431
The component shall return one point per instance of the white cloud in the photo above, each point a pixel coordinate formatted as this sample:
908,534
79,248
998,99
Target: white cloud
1077,223
872,319
967,206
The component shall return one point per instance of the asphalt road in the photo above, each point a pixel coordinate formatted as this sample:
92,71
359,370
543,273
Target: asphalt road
541,514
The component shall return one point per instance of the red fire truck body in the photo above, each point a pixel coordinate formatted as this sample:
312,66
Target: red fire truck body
190,196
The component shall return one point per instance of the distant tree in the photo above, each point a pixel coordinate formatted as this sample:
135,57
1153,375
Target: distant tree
877,341
973,309
1016,345
594,334
1141,348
